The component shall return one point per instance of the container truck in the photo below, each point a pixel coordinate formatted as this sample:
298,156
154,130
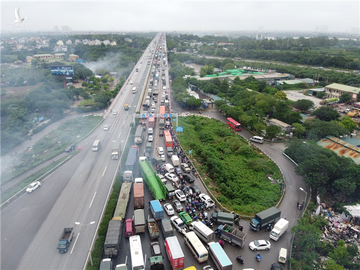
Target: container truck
231,234
174,252
203,232
113,238
167,228
279,229
127,176
156,263
131,160
175,160
153,229
138,195
219,256
156,209
222,218
265,217
65,240
139,221
139,134
154,183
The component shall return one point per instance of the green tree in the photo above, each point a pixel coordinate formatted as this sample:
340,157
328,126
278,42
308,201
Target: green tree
34,63
281,95
345,98
340,254
224,87
272,131
299,130
304,105
228,66
320,94
326,113
349,123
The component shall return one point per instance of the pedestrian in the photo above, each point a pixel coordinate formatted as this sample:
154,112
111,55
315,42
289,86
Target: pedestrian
297,205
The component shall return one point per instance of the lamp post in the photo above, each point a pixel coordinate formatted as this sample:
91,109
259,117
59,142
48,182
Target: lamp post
305,196
87,238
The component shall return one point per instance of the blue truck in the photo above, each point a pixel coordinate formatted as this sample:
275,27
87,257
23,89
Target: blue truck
156,209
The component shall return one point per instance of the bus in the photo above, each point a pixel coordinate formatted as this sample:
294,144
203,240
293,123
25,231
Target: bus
168,139
96,145
151,123
162,112
197,248
133,90
137,259
233,124
219,256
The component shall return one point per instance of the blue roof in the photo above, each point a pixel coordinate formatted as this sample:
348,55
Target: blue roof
220,254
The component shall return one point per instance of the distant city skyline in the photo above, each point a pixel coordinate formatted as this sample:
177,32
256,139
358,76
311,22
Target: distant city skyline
198,15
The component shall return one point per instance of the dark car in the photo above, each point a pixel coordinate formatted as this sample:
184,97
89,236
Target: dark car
188,178
161,133
155,248
178,206
195,188
275,266
178,171
70,148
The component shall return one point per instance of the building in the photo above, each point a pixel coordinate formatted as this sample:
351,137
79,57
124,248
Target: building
68,42
276,122
59,55
306,81
106,42
113,43
60,43
335,90
43,56
73,57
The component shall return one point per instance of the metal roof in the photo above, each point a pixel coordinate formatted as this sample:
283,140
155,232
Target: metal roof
341,148
343,87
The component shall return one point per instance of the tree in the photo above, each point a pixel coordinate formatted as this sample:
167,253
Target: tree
345,98
320,94
272,131
224,87
299,130
326,113
280,95
349,123
304,105
228,66
34,63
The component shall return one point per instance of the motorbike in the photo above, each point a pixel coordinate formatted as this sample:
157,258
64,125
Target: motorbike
240,259
258,257
221,243
268,228
300,205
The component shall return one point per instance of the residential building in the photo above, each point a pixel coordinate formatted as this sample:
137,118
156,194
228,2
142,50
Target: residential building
276,122
68,42
60,43
73,57
106,42
335,90
59,55
43,56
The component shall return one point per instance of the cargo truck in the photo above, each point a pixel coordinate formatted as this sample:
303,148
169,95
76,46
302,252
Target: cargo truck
148,147
153,229
128,176
65,240
174,252
156,263
175,160
161,123
115,151
138,195
169,151
222,218
203,232
167,228
219,256
156,209
279,229
156,91
113,238
138,138
139,221
170,191
132,158
265,217
231,234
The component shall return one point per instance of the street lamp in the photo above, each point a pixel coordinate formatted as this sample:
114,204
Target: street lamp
305,195
87,238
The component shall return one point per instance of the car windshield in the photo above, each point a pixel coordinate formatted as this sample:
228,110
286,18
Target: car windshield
256,243
31,185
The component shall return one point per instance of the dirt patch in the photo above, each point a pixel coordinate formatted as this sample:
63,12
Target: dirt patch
12,92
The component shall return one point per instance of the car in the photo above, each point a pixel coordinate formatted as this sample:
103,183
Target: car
106,127
150,131
160,150
178,224
171,177
178,171
180,195
161,133
195,188
163,158
275,266
185,167
208,267
169,209
150,138
70,148
33,186
188,178
178,206
114,112
155,248
207,200
260,245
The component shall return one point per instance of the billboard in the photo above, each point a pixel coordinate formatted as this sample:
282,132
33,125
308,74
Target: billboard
62,70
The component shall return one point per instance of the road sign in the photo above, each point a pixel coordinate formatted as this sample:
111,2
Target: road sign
190,151
179,129
174,119
170,115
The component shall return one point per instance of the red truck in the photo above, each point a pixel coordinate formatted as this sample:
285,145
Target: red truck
138,194
174,252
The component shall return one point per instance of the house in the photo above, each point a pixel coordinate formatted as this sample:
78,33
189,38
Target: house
97,42
43,56
59,55
73,57
284,127
113,43
106,42
335,90
60,43
68,41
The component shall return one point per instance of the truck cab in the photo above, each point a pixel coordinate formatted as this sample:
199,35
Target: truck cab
126,107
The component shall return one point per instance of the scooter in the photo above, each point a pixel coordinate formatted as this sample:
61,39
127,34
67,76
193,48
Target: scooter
268,228
240,259
300,205
258,257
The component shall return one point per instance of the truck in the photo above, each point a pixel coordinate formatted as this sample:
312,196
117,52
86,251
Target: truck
169,151
115,151
156,209
203,232
131,160
153,181
175,160
138,195
170,191
148,147
153,229
174,253
231,234
127,176
65,240
279,229
156,91
265,217
167,228
139,221
122,202
222,218
156,263
138,135
161,123
113,238
219,257
126,107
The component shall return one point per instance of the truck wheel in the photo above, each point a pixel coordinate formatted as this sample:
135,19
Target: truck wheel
233,244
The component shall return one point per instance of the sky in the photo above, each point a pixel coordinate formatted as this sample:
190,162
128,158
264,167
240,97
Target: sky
175,15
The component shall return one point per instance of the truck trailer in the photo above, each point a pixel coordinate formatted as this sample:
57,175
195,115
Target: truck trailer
154,183
139,221
138,138
231,234
113,238
174,252
265,217
138,195
203,232
219,256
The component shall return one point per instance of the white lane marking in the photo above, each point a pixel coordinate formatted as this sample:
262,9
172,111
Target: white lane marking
92,199
125,259
77,237
145,260
104,171
119,135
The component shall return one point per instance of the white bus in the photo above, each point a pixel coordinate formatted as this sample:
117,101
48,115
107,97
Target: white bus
196,247
96,145
137,259
133,90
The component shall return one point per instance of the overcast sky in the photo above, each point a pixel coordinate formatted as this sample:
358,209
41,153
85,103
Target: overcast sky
168,15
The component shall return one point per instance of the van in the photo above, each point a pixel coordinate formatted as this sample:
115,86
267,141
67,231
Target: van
257,139
106,264
166,227
169,168
282,255
160,150
129,231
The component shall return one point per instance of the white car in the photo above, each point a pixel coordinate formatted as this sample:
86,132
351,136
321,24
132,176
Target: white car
180,195
178,224
260,245
163,158
150,138
114,112
160,150
207,200
169,209
150,131
171,177
106,127
33,186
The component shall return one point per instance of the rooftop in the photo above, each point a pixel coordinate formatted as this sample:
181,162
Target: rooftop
343,87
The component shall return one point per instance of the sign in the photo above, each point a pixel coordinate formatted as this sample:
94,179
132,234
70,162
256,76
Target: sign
68,78
171,115
143,115
165,115
150,115
62,70
174,119
190,151
179,129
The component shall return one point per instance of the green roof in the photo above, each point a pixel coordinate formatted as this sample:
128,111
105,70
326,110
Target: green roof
211,75
344,88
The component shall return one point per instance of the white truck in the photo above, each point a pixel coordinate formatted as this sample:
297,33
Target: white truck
279,229
175,160
138,135
203,232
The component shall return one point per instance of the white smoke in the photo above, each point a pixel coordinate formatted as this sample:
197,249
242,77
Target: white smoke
109,62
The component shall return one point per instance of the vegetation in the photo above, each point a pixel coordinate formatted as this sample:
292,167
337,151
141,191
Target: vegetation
238,173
